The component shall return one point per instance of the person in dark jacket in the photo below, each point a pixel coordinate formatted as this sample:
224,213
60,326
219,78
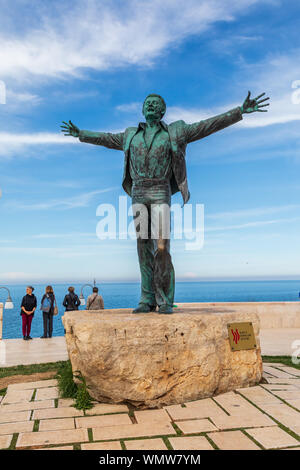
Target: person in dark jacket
71,300
47,307
28,307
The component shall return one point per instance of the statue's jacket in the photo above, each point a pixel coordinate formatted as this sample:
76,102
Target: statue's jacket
180,134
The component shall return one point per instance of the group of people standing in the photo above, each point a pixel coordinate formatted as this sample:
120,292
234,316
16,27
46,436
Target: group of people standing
49,308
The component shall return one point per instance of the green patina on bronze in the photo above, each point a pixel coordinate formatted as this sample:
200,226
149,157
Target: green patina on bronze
154,169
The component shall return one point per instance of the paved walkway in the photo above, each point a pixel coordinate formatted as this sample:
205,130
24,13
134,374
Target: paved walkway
279,342
15,352
263,417
274,342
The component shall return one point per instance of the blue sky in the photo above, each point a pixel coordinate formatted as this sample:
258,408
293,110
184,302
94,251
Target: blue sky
94,62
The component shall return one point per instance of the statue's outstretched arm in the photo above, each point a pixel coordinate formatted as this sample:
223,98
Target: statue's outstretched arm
201,129
107,139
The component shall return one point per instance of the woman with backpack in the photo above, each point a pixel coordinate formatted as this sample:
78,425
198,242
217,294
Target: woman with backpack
71,300
48,306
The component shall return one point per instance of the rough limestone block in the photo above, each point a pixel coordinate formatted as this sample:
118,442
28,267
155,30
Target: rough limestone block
152,360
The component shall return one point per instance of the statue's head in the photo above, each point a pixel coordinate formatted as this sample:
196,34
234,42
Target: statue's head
154,106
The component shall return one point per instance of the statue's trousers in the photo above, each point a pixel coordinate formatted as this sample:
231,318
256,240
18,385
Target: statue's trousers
151,201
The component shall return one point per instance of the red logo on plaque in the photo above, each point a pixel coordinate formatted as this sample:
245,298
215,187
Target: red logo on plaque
236,336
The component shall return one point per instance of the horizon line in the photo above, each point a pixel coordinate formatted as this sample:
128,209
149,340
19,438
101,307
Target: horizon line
134,281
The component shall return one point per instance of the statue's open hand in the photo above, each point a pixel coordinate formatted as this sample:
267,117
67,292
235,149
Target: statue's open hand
70,129
252,105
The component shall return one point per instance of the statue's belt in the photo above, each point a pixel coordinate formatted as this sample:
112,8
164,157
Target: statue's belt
147,182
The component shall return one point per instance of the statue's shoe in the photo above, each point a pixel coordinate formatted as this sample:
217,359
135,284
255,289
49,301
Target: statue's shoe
144,308
166,309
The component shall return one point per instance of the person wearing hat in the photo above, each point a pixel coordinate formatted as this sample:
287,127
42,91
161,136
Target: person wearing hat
28,306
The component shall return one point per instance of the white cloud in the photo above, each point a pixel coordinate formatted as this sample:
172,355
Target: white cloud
277,75
12,144
129,107
65,39
82,200
75,235
281,111
15,276
34,139
21,98
259,223
258,211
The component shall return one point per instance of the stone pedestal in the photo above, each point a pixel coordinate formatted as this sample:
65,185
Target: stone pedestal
151,360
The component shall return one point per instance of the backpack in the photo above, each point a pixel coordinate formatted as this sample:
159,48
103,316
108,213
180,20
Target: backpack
46,305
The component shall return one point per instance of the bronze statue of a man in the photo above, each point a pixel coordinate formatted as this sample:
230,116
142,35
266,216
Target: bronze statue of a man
154,169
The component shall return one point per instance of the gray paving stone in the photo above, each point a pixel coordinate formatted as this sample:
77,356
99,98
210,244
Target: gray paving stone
27,405
205,408
65,402
56,424
152,416
105,408
66,436
17,396
258,395
5,441
237,422
288,394
294,403
277,372
283,413
55,448
110,445
194,426
272,438
33,385
11,428
276,387
236,404
104,420
146,444
190,443
233,440
290,370
14,417
132,430
67,412
46,393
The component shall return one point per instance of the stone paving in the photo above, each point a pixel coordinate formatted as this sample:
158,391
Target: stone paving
267,416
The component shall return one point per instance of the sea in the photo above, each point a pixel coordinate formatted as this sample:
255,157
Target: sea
126,295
